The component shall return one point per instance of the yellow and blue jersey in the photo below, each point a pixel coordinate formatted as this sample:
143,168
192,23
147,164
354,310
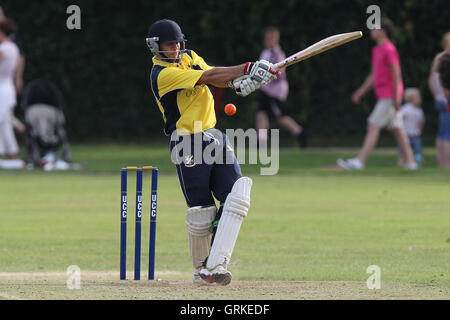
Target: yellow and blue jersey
180,100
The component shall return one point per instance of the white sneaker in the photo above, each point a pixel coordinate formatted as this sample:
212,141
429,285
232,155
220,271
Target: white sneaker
410,166
350,164
198,279
219,275
12,164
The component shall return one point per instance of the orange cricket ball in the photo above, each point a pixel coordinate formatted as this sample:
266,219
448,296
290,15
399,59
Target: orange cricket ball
230,109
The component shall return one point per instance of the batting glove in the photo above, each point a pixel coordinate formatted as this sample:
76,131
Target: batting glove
262,71
244,85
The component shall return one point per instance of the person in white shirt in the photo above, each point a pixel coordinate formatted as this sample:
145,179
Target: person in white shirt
413,122
9,57
14,37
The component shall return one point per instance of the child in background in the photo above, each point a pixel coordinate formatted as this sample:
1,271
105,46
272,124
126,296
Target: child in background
413,122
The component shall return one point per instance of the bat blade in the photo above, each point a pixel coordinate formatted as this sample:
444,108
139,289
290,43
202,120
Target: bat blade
319,47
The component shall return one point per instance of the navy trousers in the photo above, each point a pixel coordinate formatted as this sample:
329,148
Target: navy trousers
202,181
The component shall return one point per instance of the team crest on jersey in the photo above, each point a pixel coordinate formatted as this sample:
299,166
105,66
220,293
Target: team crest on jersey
189,161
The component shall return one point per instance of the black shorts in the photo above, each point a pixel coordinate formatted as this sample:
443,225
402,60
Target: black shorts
270,105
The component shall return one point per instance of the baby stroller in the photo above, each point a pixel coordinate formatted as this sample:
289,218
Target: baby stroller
45,126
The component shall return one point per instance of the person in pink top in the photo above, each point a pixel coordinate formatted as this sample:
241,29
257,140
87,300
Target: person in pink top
386,80
274,94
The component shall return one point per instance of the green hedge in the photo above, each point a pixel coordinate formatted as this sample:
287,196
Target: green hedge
103,69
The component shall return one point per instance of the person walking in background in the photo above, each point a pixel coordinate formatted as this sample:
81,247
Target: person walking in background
413,121
444,76
274,94
443,135
9,56
386,79
12,34
18,76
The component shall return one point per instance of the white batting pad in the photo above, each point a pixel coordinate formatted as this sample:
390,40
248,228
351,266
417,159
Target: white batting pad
198,223
234,211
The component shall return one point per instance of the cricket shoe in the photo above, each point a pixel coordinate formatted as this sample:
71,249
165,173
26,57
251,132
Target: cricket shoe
350,164
410,166
218,275
198,279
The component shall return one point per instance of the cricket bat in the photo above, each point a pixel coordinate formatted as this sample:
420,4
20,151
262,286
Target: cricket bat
319,47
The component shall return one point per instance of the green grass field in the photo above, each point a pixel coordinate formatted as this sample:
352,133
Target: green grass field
310,233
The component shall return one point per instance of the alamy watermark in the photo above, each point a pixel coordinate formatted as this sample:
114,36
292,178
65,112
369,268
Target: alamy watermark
374,20
374,281
73,22
214,147
74,277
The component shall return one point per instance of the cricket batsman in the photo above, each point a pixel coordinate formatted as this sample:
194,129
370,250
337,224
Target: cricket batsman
179,81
